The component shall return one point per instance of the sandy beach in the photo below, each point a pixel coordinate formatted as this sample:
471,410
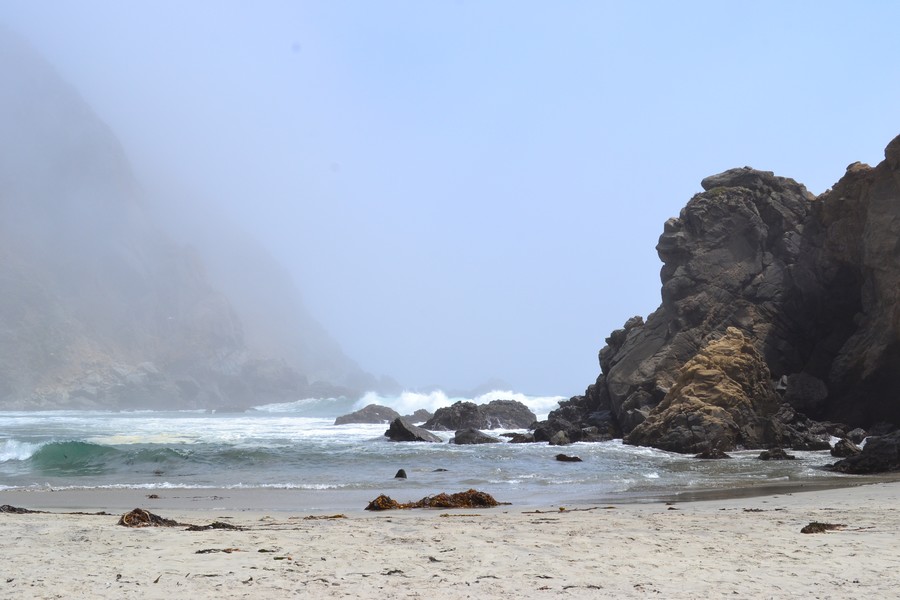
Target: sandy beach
735,548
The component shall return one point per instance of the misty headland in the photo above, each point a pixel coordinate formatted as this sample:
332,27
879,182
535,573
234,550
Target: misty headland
116,299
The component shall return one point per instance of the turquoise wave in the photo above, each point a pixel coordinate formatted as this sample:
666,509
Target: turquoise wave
85,458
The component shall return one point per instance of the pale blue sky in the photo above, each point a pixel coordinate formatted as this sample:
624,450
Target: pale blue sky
466,190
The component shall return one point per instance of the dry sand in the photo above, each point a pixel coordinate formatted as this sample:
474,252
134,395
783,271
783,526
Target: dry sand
738,548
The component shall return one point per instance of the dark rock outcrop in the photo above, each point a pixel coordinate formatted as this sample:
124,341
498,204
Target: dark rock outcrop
401,431
471,435
812,282
373,413
420,416
857,435
880,455
712,454
567,458
497,414
844,448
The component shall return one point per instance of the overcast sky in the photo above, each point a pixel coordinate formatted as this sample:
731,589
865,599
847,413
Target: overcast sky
467,190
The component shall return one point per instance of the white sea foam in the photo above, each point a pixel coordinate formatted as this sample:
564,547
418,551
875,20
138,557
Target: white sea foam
16,450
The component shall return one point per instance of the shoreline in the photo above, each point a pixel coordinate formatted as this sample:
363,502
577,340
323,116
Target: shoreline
736,547
279,500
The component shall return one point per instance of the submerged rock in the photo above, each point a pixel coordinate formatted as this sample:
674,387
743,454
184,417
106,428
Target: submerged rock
775,454
519,438
712,454
567,458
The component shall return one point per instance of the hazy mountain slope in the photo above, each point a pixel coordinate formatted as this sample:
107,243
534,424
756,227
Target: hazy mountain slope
98,306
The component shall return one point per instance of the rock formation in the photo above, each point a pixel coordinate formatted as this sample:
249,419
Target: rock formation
880,454
812,282
721,399
470,435
497,414
373,413
402,431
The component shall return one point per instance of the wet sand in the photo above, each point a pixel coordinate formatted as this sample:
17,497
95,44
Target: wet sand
735,548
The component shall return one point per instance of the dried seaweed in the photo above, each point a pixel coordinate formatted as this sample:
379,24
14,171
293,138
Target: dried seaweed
816,527
467,499
144,518
214,525
6,508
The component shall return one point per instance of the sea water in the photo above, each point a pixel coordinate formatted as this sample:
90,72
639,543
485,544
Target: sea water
296,446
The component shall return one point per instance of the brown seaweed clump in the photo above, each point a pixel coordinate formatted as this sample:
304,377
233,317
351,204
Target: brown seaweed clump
383,502
6,508
214,525
467,499
816,527
144,518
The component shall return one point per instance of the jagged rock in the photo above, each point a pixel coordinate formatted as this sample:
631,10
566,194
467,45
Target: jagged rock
473,436
457,416
845,448
507,414
373,413
798,432
420,416
775,454
401,431
721,399
880,455
593,423
497,414
857,435
814,283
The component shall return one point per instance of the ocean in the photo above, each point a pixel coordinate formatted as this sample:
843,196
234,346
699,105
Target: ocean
296,446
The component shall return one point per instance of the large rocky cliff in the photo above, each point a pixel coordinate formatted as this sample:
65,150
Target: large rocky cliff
812,282
99,307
